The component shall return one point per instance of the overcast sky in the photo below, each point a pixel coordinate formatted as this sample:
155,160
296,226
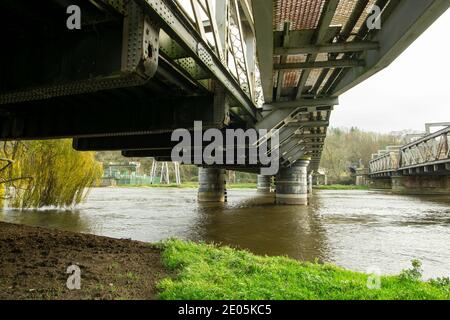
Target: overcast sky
413,90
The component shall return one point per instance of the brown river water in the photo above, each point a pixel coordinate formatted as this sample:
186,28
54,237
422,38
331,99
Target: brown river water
353,229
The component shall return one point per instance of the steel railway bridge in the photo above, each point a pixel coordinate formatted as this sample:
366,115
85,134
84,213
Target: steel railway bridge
421,166
138,69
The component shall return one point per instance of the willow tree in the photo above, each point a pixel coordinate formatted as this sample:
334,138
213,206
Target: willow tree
47,173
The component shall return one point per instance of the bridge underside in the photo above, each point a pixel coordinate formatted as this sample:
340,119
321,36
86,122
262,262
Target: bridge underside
432,178
321,49
137,70
114,77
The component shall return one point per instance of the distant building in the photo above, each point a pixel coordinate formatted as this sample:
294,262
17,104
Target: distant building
115,174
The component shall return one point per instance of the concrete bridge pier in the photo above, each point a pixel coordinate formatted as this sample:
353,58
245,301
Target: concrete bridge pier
212,185
264,184
421,185
292,184
381,184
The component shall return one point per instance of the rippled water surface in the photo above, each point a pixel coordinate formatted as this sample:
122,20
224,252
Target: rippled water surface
354,229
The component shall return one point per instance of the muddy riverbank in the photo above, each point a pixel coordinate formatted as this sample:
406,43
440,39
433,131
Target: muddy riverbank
34,261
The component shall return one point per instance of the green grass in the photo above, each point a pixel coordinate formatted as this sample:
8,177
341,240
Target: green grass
206,272
341,187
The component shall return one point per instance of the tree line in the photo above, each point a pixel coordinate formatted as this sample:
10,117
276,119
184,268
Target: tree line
349,147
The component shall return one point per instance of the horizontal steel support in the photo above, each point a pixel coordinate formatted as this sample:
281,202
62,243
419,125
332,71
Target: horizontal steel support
312,148
309,124
132,142
320,64
300,38
326,102
405,24
106,116
328,48
314,144
312,136
431,163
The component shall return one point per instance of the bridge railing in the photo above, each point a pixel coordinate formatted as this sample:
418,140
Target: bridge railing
432,149
385,162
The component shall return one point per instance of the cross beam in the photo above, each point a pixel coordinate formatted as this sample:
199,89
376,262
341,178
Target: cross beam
328,48
406,23
321,64
325,102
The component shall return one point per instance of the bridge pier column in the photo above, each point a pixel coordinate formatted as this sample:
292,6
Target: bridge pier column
264,184
292,184
421,185
212,185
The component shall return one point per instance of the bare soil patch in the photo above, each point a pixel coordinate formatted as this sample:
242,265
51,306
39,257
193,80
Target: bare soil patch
34,261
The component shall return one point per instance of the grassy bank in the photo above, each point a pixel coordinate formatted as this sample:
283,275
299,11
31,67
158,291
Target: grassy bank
34,263
208,272
341,187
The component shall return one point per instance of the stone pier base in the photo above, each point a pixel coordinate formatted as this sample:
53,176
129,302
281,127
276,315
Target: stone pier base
421,185
381,184
212,185
292,184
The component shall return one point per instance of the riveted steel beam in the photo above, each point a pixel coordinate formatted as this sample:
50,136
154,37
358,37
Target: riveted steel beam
329,48
180,29
407,21
320,64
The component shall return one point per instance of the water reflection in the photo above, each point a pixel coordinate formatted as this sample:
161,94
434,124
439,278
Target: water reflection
68,220
264,228
354,229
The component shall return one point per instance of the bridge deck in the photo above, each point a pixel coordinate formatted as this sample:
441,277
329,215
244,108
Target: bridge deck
139,69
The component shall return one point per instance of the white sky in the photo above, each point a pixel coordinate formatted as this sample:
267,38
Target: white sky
413,90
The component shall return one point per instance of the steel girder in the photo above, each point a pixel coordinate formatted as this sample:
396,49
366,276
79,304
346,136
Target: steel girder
427,155
137,64
179,28
405,24
429,150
